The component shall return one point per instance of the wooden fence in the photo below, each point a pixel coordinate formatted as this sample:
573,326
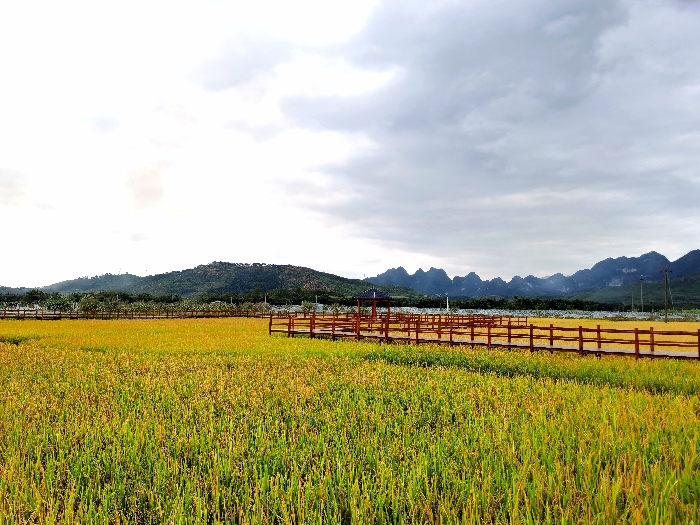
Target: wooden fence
496,332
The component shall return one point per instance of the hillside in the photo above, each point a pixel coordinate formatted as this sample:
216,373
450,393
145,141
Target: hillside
219,278
684,292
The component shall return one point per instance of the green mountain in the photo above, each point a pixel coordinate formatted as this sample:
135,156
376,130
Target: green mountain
684,292
221,278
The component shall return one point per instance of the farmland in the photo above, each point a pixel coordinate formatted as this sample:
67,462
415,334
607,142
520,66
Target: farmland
212,420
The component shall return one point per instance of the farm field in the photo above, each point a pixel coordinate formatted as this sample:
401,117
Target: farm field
212,420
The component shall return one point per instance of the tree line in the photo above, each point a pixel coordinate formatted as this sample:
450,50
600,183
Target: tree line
58,301
293,296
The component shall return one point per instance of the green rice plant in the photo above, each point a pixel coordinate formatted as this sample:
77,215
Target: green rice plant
15,339
652,376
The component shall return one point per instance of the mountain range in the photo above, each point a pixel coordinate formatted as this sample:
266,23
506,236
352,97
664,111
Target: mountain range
608,273
613,280
220,278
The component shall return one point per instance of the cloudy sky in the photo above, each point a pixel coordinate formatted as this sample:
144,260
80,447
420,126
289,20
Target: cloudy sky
495,136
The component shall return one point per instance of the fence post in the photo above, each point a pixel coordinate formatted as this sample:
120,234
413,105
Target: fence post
509,319
636,343
488,337
580,340
312,325
551,334
599,340
532,338
651,340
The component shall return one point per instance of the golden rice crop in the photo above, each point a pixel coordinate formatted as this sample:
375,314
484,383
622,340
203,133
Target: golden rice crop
191,421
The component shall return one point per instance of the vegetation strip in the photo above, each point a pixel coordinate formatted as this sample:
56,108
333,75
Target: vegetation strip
519,364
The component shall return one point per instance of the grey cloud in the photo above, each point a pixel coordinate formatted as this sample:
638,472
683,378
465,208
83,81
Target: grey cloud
515,125
687,4
458,59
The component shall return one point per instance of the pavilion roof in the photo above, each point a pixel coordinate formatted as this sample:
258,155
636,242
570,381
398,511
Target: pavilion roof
373,293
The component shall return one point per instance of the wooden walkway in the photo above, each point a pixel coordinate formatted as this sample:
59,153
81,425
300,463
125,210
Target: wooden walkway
495,332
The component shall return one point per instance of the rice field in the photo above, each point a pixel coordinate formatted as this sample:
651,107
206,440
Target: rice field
214,421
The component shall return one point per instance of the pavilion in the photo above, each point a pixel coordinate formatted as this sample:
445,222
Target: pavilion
373,296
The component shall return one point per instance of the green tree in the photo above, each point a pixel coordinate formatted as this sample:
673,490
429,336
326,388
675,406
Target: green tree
247,308
307,307
262,308
88,303
56,301
336,308
33,297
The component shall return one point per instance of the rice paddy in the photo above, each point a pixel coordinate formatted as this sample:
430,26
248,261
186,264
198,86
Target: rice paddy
214,421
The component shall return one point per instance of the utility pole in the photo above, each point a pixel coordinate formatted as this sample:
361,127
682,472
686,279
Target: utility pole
448,302
665,271
641,291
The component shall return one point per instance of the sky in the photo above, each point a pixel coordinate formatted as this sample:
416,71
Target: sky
496,136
